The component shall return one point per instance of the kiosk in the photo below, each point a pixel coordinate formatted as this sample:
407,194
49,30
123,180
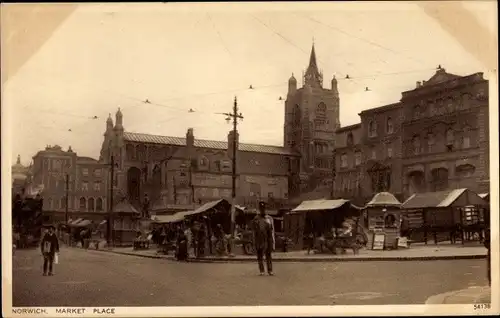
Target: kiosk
382,218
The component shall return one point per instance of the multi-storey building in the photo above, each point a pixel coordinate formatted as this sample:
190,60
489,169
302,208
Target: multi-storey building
87,181
435,138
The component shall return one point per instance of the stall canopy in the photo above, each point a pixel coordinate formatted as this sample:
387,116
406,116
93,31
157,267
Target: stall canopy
125,207
383,199
219,204
164,219
485,196
320,205
84,223
75,222
444,199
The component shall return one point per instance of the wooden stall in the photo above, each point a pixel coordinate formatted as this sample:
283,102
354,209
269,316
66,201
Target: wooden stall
317,217
382,219
449,215
125,223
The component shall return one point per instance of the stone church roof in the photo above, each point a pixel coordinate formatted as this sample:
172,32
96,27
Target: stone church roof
200,143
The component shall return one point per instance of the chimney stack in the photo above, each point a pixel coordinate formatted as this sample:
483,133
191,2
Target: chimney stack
419,84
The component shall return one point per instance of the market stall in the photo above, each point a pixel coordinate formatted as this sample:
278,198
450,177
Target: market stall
382,219
317,217
446,215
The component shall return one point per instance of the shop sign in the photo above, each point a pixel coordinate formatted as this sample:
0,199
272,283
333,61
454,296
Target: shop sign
378,241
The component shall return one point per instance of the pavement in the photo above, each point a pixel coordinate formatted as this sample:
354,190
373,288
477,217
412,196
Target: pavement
91,278
471,295
416,252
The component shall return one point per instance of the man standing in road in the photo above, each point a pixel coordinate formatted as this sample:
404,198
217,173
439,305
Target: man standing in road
49,246
263,238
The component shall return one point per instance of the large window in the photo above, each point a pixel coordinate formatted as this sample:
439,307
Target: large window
357,158
343,161
91,205
83,204
415,143
430,142
99,205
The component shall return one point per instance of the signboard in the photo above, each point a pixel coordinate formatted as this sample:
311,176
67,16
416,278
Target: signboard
378,241
403,242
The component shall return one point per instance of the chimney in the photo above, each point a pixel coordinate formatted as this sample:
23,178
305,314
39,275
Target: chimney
230,137
419,84
190,140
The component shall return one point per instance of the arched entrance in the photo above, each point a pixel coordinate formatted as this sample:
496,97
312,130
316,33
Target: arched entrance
416,182
134,184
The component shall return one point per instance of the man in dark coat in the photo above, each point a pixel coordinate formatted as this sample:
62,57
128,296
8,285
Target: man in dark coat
49,247
263,238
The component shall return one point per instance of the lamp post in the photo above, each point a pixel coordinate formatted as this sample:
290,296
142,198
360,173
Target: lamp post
334,174
234,116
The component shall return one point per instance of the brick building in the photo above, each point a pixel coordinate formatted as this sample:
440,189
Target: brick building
87,181
435,138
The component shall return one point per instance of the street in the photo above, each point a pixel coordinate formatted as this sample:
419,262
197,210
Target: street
92,278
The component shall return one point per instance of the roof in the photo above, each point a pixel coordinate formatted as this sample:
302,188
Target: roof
200,143
484,195
441,76
350,127
86,159
382,108
384,199
177,217
125,206
443,199
319,205
207,206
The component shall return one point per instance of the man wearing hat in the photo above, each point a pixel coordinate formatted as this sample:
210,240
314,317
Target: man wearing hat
263,238
49,247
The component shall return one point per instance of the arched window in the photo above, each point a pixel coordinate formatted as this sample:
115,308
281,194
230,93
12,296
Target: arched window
350,139
372,129
465,171
98,205
389,126
83,204
389,150
91,205
415,142
450,104
63,203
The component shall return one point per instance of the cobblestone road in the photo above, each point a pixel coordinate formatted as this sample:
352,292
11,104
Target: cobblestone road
91,278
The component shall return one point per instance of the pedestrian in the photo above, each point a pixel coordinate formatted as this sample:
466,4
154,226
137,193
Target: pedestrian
49,247
182,246
487,244
263,238
201,241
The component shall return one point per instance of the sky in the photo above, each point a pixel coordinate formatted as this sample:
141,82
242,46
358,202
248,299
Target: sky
200,56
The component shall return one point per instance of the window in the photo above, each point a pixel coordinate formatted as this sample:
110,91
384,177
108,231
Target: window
83,204
85,186
373,154
416,112
217,165
372,129
450,137
357,158
91,205
466,138
203,162
465,171
97,186
270,195
389,150
50,203
390,127
85,171
98,204
97,173
430,142
226,164
350,139
416,145
343,161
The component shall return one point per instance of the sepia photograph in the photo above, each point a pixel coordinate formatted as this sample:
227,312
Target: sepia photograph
195,156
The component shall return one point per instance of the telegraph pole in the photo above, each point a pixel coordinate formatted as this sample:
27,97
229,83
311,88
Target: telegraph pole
66,199
334,174
109,225
234,116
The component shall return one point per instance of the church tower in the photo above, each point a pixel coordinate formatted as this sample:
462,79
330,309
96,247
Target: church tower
311,119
